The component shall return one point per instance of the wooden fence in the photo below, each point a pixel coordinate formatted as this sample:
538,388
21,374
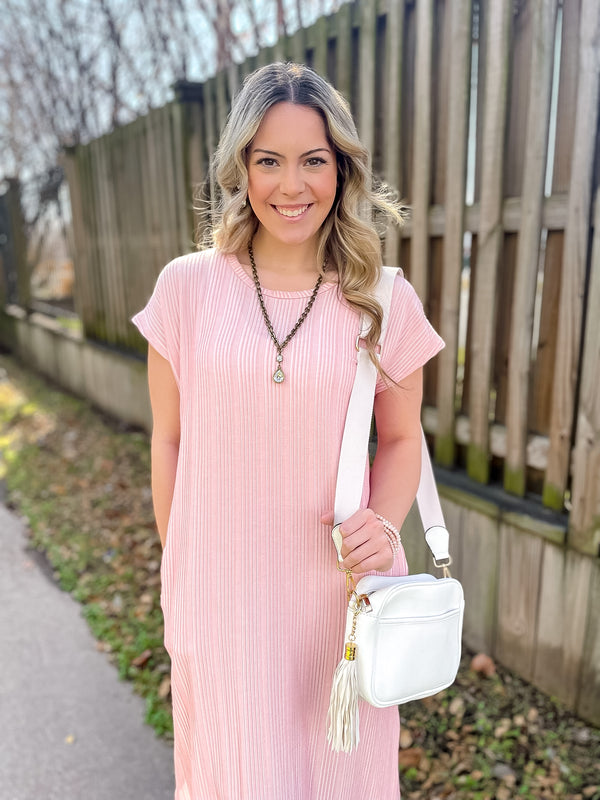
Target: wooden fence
517,399
484,114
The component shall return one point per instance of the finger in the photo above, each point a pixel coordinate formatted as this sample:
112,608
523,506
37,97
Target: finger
371,555
368,548
358,520
366,551
327,519
371,531
378,563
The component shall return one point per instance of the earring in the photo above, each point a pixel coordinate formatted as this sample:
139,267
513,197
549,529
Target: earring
245,203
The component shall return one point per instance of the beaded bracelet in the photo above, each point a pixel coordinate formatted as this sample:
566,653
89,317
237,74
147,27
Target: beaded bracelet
392,533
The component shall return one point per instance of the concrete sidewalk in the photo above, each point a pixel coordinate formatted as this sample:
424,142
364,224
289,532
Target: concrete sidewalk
69,728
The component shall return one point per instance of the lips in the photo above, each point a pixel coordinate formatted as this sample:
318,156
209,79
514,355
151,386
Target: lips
297,211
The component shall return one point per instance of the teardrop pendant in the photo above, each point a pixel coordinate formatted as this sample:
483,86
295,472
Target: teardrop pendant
278,375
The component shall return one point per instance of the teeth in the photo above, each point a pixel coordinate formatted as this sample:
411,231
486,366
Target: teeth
288,212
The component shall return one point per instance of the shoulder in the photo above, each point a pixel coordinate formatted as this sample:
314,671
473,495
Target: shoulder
404,297
191,267
192,262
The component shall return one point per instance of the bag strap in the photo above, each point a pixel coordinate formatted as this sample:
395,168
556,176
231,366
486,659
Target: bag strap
355,443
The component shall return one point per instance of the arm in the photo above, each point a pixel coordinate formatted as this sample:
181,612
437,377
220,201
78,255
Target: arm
397,466
394,476
164,397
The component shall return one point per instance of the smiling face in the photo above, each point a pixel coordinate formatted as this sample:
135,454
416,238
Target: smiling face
292,175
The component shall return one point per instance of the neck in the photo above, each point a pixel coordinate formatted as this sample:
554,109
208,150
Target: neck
289,260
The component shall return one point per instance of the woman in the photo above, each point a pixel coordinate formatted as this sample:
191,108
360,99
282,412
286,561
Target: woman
251,362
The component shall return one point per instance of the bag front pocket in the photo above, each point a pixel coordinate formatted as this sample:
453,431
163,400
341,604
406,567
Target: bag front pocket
407,658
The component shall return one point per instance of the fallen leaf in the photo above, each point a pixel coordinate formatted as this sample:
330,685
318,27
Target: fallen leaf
142,659
410,758
457,707
165,687
406,739
502,728
483,664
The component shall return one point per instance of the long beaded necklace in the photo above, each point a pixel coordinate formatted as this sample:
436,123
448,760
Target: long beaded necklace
278,375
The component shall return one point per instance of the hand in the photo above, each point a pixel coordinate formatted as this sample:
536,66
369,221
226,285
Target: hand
366,546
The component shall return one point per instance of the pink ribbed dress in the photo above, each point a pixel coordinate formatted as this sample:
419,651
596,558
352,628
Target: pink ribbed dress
254,606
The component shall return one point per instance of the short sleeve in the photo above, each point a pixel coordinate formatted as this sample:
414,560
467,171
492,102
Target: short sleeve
159,321
410,340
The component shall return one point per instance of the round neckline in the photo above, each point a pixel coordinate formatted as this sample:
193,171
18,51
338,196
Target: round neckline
241,273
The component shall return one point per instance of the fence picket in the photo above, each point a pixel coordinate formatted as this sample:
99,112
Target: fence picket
343,51
209,131
490,235
454,201
366,80
392,116
522,317
319,32
585,490
542,379
570,314
518,592
421,166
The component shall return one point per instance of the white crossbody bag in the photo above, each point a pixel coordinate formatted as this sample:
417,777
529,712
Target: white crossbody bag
403,635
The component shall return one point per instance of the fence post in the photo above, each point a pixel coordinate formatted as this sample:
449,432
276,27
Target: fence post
7,276
13,248
78,239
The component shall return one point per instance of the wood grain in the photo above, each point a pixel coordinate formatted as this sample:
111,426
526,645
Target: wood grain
563,608
518,592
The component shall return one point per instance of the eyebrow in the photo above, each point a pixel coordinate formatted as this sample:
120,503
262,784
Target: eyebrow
303,155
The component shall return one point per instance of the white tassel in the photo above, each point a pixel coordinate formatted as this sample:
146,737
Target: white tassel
343,734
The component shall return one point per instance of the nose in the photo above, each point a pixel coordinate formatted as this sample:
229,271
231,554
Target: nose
292,182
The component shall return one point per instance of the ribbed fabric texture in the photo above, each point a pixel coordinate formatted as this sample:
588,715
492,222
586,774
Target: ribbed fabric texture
254,606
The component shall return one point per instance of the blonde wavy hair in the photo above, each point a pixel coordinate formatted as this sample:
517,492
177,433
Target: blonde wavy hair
348,238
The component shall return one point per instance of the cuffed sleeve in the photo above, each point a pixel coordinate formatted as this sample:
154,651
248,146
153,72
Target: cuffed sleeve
410,340
159,321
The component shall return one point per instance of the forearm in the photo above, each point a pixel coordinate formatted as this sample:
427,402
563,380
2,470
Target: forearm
165,454
395,478
166,433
